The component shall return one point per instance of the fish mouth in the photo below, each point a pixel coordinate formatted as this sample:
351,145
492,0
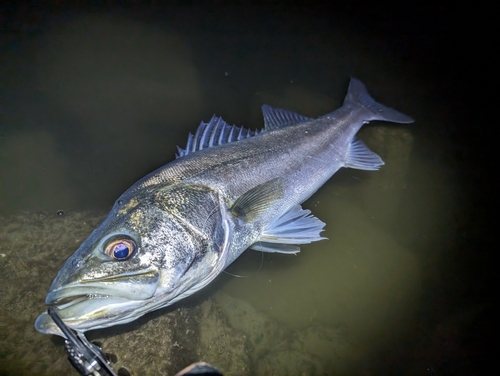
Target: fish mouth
100,302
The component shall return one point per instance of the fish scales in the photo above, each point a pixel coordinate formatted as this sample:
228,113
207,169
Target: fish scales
231,189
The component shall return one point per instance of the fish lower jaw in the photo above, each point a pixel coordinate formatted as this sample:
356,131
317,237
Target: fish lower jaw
66,302
75,299
81,313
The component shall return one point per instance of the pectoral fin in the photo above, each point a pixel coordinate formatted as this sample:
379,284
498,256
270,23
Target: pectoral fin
257,200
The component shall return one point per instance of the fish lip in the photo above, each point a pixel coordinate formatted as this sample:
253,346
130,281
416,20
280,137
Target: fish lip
60,300
99,302
61,303
85,318
139,285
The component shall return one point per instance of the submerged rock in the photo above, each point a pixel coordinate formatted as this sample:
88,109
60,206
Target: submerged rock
226,332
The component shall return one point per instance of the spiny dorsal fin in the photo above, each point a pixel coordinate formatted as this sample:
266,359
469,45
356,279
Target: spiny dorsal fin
214,133
277,117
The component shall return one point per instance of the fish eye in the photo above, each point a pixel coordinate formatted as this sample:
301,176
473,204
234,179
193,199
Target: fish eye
120,249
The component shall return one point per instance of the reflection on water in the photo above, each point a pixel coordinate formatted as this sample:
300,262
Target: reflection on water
93,101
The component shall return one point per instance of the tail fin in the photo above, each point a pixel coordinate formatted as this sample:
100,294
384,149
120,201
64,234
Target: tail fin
358,95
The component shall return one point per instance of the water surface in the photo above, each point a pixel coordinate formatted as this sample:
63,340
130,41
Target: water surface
93,99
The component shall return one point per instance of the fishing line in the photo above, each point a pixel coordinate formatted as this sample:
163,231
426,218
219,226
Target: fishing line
254,274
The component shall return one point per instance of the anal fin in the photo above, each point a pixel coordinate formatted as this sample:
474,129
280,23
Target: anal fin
362,158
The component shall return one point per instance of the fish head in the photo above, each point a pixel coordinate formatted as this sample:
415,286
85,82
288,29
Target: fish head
152,249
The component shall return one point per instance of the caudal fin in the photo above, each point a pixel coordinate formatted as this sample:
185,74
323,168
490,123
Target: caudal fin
358,95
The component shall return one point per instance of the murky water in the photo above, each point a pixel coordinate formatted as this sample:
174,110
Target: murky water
91,101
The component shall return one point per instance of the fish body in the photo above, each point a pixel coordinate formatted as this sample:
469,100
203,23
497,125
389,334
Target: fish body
176,229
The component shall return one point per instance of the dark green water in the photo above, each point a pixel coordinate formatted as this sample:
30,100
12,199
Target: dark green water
93,98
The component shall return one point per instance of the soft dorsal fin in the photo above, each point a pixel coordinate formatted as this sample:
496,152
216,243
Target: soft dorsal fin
214,133
277,117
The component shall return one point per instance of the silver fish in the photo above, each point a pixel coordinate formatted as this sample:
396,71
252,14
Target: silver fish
176,229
